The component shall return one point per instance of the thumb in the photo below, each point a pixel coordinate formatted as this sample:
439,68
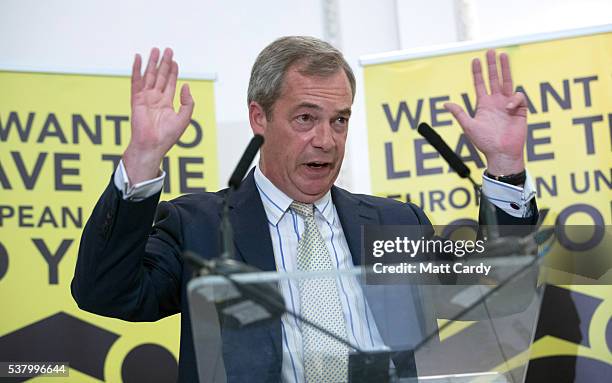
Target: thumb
460,115
516,101
187,104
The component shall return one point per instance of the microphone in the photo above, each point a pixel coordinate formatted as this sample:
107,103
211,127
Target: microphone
245,161
463,171
227,234
441,147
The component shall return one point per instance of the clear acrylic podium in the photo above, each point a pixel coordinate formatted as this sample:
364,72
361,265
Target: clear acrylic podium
479,331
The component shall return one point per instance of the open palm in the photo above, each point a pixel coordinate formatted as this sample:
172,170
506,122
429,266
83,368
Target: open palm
499,126
156,127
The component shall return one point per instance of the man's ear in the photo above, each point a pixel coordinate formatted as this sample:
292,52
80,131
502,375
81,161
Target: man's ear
257,118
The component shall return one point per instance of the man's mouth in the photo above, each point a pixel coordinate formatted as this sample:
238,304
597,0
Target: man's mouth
318,165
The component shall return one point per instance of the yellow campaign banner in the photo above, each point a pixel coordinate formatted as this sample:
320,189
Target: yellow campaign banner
568,84
62,136
567,79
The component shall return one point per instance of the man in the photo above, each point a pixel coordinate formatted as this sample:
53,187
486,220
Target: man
287,215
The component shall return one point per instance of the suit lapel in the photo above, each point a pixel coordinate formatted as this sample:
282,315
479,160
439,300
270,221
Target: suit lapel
252,235
353,213
251,232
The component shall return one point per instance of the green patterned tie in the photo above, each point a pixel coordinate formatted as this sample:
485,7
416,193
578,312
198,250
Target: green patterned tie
325,359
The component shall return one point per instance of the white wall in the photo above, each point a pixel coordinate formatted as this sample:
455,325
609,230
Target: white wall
432,22
224,37
368,28
507,18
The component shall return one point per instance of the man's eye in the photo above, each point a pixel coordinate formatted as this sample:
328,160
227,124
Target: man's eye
303,118
341,122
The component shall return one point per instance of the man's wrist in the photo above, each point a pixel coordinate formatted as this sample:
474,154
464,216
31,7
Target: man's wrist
516,179
140,166
139,191
502,164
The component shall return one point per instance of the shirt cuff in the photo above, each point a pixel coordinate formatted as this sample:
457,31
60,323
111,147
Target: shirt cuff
514,200
141,190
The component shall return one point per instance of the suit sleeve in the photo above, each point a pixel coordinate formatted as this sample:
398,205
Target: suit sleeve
127,268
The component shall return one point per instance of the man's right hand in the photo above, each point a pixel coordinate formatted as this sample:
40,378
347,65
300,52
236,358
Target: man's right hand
156,127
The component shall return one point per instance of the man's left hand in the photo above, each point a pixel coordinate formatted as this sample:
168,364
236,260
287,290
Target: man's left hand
499,126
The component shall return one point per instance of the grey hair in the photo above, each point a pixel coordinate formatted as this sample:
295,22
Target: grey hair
315,58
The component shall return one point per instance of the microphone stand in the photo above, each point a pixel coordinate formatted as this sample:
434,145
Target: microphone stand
501,245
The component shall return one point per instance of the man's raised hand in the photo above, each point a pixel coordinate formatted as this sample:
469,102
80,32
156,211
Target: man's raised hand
156,127
499,126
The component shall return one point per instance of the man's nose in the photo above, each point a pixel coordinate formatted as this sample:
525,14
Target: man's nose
323,137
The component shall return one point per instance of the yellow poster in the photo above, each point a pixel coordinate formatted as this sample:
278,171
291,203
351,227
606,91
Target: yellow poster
61,137
567,79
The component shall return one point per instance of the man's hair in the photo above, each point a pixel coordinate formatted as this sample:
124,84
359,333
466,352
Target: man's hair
313,57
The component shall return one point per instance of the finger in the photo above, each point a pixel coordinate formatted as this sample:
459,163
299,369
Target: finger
170,89
479,85
164,69
136,74
507,87
151,71
187,104
460,115
517,100
493,77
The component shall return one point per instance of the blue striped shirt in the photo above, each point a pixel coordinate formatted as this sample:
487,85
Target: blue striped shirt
286,227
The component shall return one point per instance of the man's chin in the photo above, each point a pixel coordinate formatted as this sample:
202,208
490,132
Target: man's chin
313,185
313,190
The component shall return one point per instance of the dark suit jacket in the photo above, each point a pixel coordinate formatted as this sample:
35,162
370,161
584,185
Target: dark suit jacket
129,270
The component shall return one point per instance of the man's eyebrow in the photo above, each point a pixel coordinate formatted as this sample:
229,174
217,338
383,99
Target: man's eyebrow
345,111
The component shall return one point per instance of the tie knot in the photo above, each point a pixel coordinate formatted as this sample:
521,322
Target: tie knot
303,209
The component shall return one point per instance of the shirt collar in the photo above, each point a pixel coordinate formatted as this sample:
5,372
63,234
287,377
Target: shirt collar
276,202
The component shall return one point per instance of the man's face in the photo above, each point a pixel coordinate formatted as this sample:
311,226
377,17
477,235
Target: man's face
305,137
